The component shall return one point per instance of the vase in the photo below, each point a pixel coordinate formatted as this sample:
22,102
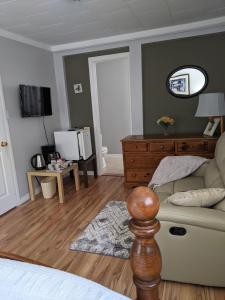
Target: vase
165,132
165,129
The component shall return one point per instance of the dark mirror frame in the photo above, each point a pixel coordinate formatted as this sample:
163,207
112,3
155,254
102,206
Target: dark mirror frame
184,67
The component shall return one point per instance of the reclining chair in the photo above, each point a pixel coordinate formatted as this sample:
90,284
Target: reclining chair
192,239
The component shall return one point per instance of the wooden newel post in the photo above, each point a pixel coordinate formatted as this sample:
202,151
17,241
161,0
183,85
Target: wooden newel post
143,205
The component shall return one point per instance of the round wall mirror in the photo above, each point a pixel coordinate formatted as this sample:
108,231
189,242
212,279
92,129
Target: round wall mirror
187,81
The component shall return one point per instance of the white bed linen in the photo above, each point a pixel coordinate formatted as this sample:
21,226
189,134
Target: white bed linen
22,281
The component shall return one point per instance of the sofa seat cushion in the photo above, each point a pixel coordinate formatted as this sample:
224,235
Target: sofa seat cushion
189,183
195,216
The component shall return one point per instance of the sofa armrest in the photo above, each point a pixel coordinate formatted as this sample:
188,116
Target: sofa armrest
196,216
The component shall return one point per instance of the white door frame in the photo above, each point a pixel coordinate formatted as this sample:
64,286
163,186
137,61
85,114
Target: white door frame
8,139
92,62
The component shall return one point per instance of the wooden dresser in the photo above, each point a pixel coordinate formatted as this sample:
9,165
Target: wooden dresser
142,154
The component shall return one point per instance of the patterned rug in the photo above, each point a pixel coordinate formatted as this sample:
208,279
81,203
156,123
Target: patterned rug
108,232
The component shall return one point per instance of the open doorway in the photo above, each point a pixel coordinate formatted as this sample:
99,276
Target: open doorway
111,106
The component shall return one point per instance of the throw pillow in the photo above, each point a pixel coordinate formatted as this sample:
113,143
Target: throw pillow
200,198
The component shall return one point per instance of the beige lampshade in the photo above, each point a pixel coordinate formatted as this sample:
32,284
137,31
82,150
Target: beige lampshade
211,105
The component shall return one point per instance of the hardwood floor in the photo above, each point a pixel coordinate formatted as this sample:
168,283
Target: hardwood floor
43,230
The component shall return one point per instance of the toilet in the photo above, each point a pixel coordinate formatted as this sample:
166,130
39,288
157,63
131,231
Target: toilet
104,152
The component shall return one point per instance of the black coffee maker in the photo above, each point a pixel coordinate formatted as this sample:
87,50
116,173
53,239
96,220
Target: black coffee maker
49,153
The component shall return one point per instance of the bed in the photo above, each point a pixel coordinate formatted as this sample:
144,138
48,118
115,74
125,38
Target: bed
26,281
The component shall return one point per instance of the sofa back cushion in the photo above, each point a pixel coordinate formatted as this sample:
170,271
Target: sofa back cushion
220,205
212,175
220,156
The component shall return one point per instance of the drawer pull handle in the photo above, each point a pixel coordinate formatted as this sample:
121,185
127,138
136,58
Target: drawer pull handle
147,174
162,147
184,146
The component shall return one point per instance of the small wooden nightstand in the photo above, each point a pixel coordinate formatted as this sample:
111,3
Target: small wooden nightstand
142,154
59,177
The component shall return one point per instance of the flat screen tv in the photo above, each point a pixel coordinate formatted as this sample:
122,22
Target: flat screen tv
35,101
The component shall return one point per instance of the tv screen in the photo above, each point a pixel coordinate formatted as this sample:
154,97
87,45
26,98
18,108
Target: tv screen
35,101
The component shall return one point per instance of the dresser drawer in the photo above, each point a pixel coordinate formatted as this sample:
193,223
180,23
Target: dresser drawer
133,161
212,147
162,147
192,146
139,175
135,147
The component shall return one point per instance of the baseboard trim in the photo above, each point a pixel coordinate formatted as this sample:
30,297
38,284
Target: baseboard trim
90,173
26,197
114,155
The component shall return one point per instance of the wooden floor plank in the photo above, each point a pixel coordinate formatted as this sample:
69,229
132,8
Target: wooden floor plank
43,230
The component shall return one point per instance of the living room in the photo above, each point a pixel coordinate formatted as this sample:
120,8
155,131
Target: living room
59,45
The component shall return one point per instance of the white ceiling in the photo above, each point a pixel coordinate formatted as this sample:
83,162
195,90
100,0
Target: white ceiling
64,21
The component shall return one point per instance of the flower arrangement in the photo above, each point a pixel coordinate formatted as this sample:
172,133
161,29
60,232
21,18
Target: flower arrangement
165,122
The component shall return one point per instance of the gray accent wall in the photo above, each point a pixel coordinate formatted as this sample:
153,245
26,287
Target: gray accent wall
77,71
159,59
24,64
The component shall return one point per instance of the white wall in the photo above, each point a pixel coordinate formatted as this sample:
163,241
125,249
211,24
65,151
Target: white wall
113,78
20,63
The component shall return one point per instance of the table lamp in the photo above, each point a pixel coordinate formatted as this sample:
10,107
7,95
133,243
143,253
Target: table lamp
212,105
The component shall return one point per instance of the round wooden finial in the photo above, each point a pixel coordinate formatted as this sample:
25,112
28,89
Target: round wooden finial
143,204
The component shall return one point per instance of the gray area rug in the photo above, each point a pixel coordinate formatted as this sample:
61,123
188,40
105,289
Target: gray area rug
108,232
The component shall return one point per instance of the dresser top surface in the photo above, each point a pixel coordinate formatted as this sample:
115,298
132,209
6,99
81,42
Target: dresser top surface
168,137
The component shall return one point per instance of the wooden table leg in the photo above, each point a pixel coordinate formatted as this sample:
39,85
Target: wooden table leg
85,174
94,163
76,177
60,188
31,187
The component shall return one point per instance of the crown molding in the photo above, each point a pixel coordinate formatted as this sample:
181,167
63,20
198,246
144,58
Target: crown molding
188,29
24,40
176,31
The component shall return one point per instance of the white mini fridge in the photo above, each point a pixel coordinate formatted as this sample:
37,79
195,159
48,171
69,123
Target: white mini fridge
74,144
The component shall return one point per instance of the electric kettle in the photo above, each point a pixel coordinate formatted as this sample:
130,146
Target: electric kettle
38,162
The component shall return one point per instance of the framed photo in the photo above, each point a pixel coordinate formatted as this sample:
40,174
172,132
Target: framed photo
78,89
211,127
180,84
